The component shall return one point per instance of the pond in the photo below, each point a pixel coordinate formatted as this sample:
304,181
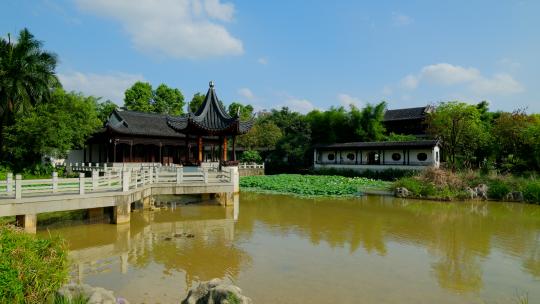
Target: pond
284,249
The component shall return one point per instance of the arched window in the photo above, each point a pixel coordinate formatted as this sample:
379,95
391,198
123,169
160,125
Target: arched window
396,156
421,156
331,156
350,156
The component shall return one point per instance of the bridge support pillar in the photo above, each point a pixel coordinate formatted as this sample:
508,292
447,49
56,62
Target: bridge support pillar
122,210
28,222
225,198
147,203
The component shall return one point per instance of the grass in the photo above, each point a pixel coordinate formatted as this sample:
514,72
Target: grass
79,299
312,185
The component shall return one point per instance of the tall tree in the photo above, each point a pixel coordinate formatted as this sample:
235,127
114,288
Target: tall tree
104,110
243,111
460,129
368,122
196,102
139,97
27,74
168,100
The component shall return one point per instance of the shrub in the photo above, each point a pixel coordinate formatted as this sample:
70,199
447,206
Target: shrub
531,191
251,156
498,189
31,269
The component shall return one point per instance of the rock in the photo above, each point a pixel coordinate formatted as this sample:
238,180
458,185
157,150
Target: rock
401,192
514,196
481,191
471,193
95,295
215,291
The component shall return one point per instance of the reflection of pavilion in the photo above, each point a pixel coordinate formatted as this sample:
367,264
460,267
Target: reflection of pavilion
200,245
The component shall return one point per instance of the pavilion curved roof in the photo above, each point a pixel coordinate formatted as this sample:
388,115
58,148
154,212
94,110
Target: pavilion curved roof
210,119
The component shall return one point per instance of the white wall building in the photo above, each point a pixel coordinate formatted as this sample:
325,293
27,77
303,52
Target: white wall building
376,156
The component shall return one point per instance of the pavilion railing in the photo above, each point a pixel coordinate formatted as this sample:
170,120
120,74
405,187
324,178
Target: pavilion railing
109,181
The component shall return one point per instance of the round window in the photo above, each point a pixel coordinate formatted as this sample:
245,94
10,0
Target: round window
350,156
396,156
331,156
421,156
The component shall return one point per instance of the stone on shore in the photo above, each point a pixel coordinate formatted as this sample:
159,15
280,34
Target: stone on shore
401,192
95,295
215,291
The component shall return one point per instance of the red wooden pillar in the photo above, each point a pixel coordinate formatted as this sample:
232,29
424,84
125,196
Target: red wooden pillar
224,151
200,148
234,148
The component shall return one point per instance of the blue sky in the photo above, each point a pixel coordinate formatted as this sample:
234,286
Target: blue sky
301,54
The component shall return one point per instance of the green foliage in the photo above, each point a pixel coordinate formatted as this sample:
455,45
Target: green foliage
196,102
104,110
168,100
141,97
312,185
263,135
27,74
245,112
369,122
52,128
31,269
460,129
251,156
498,189
531,191
78,299
232,298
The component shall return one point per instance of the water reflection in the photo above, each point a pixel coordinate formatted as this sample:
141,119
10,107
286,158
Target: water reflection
417,251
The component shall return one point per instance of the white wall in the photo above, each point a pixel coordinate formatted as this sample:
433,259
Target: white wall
410,158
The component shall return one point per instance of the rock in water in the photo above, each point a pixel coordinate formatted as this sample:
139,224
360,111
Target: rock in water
401,192
95,295
215,291
482,191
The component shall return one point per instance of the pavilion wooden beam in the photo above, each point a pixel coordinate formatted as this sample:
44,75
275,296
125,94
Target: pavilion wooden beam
224,149
200,149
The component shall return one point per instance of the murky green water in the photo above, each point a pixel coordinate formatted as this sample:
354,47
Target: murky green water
282,249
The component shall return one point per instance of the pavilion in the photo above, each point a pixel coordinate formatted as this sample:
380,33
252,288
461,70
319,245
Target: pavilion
189,139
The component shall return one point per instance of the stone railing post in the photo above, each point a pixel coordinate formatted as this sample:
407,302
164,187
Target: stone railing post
55,182
205,176
9,183
107,176
81,183
179,175
235,179
136,177
95,179
143,176
125,181
18,186
157,175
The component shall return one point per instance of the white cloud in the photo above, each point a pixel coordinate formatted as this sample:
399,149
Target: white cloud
299,105
400,19
409,82
108,86
263,60
445,74
347,100
246,93
176,28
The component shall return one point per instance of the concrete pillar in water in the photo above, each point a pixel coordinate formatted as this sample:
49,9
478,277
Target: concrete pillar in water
147,203
122,210
28,222
225,198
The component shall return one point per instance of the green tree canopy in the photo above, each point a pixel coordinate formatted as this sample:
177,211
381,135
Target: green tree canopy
53,128
139,97
104,110
27,74
460,129
196,102
245,112
168,100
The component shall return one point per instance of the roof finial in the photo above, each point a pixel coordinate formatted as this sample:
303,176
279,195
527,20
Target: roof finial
211,83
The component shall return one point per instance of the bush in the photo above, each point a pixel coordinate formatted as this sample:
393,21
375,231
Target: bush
251,156
31,269
531,191
498,189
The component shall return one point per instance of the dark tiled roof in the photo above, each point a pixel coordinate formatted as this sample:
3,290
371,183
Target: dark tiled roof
210,118
142,124
384,144
408,113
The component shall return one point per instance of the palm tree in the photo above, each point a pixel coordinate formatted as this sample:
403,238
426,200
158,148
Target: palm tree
26,76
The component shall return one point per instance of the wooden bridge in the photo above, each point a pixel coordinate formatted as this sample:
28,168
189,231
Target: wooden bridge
116,188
